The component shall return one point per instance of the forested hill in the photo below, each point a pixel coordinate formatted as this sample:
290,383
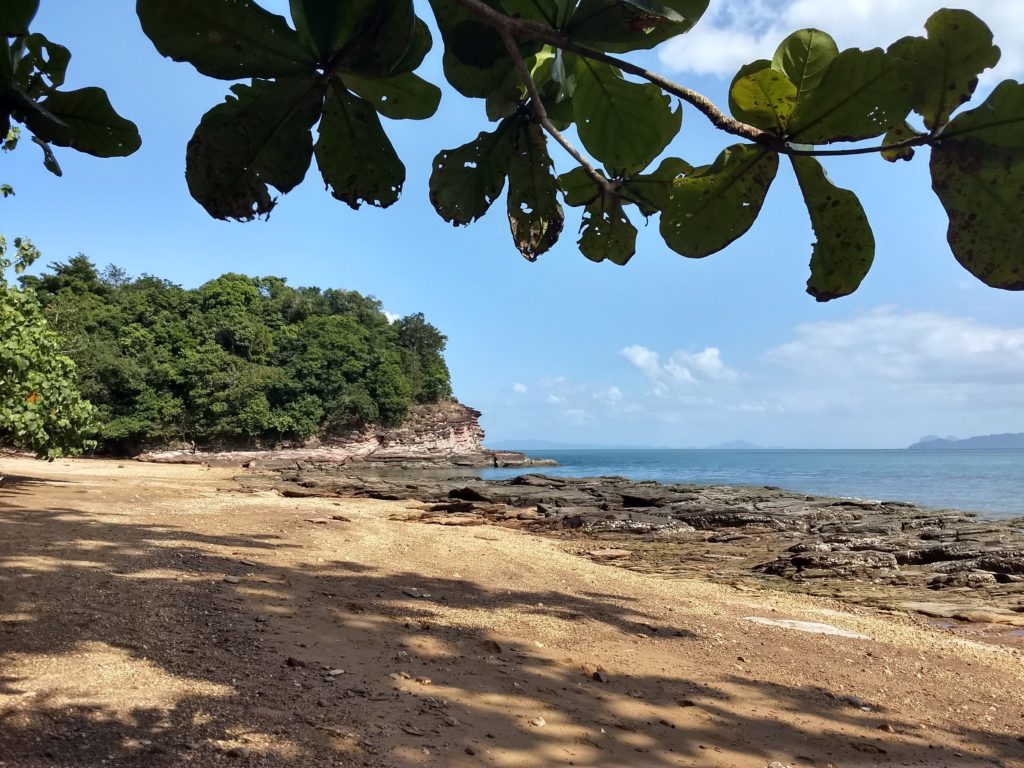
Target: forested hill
238,361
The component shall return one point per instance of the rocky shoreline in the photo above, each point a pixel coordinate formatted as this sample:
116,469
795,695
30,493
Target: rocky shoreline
945,564
434,436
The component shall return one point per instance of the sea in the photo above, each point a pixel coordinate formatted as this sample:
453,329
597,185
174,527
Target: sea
990,483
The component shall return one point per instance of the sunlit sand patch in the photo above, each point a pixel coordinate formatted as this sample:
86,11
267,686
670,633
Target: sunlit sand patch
99,675
807,626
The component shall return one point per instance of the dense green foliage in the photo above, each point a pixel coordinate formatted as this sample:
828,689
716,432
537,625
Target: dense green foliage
40,408
545,66
237,361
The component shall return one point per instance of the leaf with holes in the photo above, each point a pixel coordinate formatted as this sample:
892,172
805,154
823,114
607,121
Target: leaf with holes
713,206
89,124
861,95
42,67
625,125
401,97
981,186
619,26
534,213
260,137
945,66
227,39
607,234
466,180
355,155
845,247
764,99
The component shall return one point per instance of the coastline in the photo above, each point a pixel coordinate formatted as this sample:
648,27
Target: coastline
169,615
944,564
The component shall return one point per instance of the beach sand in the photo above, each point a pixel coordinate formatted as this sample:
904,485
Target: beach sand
158,616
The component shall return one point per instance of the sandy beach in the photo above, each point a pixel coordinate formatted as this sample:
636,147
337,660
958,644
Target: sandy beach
161,616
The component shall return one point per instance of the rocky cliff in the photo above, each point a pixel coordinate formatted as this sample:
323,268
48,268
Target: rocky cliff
445,434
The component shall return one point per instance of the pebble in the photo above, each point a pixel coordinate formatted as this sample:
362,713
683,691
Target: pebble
231,579
239,752
291,661
539,722
415,593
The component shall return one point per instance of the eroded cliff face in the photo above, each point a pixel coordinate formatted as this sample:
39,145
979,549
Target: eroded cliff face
441,434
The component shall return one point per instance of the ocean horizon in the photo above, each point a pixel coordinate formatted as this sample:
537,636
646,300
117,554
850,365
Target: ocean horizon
987,482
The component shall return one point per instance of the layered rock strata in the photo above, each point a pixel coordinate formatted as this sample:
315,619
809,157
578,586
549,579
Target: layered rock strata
446,434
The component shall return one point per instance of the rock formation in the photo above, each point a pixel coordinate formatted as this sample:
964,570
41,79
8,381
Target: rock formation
445,434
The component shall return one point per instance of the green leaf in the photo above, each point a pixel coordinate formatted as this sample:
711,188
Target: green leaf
998,121
16,16
764,99
804,57
382,39
544,11
472,82
713,206
227,39
625,125
534,213
355,155
578,188
419,46
845,247
260,137
898,135
619,26
651,192
945,66
325,25
90,124
401,97
606,232
466,180
49,159
982,189
861,95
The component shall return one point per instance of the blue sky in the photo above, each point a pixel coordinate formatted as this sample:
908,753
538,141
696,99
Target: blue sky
666,351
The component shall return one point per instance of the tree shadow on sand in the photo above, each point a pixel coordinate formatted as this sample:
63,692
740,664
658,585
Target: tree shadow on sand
256,666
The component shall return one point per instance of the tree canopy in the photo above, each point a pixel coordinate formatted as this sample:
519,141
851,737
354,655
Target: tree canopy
552,71
41,409
240,361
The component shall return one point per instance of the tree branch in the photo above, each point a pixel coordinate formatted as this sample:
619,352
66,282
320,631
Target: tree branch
541,114
507,25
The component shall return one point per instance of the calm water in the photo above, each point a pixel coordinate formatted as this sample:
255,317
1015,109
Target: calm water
989,482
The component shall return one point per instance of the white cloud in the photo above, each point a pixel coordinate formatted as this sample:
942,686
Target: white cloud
908,348
392,317
681,369
610,396
554,400
519,389
736,32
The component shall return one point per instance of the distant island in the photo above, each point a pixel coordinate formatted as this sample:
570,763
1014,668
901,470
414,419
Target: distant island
1009,441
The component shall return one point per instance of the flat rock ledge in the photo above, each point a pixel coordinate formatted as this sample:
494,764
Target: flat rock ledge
939,563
